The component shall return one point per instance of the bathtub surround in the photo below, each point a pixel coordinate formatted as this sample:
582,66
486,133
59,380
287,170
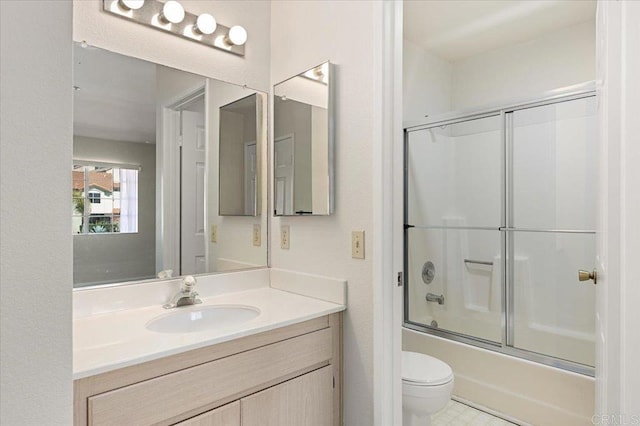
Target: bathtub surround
524,390
499,76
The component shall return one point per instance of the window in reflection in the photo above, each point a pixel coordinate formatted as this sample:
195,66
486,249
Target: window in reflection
105,200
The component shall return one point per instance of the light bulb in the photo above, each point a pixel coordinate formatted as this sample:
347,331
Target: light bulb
237,35
131,4
205,24
173,12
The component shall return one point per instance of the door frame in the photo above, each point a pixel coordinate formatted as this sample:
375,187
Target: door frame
388,216
168,210
617,291
617,385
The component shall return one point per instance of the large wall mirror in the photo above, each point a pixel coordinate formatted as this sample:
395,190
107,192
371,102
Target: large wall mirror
152,146
303,143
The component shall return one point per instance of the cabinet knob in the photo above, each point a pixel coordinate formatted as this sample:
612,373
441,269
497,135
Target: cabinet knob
586,275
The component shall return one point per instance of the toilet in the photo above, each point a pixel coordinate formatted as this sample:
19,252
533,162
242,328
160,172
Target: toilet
427,384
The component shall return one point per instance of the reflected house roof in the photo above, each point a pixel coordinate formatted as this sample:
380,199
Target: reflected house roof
97,180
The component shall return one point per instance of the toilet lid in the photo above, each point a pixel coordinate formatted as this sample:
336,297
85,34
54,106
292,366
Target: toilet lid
425,370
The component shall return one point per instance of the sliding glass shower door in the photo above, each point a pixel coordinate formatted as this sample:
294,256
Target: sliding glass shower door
499,217
551,229
453,182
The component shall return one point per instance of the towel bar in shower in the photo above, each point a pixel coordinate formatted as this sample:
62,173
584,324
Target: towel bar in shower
478,262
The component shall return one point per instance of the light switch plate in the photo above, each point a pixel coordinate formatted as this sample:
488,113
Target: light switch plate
256,235
357,244
284,237
214,233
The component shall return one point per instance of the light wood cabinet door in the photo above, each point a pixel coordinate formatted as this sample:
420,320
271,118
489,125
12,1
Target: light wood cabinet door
227,415
304,401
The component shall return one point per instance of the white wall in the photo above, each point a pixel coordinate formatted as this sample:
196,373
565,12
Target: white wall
129,38
434,86
123,257
35,248
304,34
559,59
427,82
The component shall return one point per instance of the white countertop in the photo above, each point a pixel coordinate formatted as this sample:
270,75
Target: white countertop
112,340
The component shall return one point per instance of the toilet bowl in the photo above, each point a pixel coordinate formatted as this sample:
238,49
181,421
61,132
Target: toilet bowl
427,384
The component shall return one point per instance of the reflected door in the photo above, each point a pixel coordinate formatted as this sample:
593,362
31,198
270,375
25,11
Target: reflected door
250,174
283,170
192,175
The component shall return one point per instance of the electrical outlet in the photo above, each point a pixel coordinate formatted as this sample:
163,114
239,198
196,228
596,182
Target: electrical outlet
357,244
214,233
284,237
256,235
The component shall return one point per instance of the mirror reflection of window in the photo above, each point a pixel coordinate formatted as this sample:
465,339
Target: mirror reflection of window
105,200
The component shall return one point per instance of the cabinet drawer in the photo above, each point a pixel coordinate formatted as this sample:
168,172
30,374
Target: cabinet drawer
167,397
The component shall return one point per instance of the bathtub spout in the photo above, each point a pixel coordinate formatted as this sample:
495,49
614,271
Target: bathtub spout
435,298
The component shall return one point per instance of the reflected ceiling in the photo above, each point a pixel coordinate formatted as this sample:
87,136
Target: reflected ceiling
114,96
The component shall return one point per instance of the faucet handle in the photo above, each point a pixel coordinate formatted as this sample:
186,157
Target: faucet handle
188,282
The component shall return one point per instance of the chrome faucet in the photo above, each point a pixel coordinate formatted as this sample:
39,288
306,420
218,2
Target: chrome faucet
186,296
435,298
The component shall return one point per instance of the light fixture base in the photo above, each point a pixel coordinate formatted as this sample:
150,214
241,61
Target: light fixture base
149,15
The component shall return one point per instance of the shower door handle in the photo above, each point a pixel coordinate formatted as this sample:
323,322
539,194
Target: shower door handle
586,275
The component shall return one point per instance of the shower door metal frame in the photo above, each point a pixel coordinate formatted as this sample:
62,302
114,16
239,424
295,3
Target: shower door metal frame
506,346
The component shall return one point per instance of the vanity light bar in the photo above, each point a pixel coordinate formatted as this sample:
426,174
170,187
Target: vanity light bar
171,17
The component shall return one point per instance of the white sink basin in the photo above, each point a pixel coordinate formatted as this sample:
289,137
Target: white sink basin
202,318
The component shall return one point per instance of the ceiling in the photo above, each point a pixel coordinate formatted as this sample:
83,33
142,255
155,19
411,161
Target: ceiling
456,29
115,96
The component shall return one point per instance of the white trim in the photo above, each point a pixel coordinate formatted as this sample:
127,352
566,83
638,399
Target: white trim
257,171
168,200
87,162
617,344
387,218
168,181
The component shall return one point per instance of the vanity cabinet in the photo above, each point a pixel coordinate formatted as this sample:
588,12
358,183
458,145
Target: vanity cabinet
287,376
305,400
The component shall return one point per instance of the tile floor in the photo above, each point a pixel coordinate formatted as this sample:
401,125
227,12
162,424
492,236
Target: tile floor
458,414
